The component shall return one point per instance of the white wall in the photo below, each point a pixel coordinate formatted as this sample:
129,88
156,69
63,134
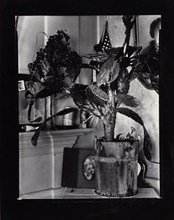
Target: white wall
31,37
28,30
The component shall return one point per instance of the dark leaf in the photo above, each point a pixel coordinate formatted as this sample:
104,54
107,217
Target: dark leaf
122,82
131,114
96,95
147,145
73,73
155,83
128,100
125,62
131,50
78,93
73,65
37,119
44,93
114,72
147,141
65,111
55,82
145,83
35,137
51,90
108,72
117,52
29,111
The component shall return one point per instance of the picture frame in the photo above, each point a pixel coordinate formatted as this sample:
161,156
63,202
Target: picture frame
21,85
78,169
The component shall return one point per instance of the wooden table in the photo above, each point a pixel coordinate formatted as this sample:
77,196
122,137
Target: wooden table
69,193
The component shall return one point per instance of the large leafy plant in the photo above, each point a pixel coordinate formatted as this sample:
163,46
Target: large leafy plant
115,70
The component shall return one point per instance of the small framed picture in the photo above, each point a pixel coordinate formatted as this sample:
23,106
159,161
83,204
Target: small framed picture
78,168
21,85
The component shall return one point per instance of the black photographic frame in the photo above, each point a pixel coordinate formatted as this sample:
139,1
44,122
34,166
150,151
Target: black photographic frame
136,209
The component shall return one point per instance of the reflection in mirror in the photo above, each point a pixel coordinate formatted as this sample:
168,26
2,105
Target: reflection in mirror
26,93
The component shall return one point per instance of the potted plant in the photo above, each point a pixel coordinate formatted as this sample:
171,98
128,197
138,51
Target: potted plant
102,99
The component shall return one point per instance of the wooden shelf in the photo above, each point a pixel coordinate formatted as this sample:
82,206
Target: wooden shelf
69,193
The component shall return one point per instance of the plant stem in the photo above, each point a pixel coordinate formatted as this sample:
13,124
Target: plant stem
83,119
110,118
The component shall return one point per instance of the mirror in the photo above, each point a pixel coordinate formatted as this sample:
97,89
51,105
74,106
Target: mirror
26,96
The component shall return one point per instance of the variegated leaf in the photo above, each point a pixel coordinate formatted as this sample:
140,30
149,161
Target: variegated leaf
122,82
108,72
128,100
96,95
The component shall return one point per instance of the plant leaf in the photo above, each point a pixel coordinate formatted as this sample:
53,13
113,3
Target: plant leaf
131,50
128,100
108,72
145,83
114,72
122,82
29,111
96,95
48,91
100,56
65,111
37,119
44,93
35,137
73,65
131,114
78,93
54,81
117,52
147,146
